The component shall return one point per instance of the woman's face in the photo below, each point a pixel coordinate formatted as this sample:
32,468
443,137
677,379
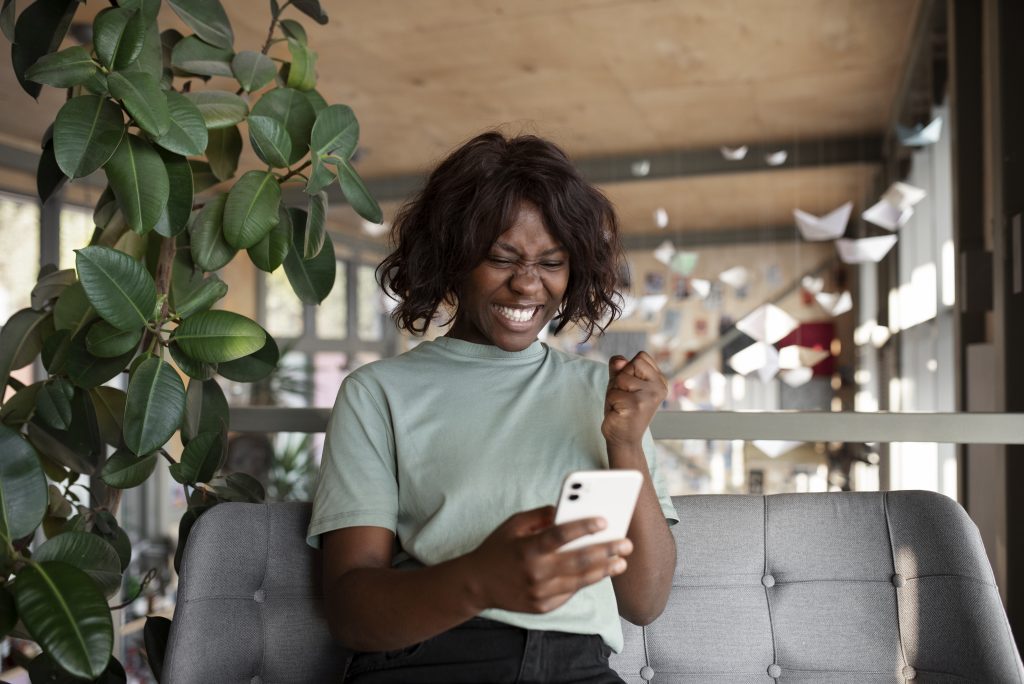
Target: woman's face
517,289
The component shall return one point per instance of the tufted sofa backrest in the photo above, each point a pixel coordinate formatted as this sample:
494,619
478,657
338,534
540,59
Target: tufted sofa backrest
866,587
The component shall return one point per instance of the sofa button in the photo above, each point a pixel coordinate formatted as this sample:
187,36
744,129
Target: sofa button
909,672
260,596
768,581
774,671
647,673
897,580
256,680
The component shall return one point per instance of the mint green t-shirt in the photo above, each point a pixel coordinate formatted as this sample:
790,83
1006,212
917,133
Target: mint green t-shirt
443,443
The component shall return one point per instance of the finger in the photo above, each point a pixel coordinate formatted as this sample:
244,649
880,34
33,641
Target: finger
531,521
629,383
643,366
615,366
572,582
620,400
556,537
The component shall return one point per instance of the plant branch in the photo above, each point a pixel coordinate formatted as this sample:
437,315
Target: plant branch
270,31
295,172
146,579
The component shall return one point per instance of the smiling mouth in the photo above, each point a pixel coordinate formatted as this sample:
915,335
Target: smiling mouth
517,314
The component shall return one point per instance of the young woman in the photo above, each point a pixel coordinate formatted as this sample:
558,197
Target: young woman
433,502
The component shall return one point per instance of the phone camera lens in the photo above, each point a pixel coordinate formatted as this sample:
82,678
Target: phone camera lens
573,497
577,485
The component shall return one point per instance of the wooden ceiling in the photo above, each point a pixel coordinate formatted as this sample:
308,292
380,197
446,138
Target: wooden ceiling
602,78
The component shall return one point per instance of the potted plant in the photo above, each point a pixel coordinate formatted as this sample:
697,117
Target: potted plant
142,111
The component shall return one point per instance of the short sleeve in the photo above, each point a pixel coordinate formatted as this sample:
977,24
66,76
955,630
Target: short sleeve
660,486
357,483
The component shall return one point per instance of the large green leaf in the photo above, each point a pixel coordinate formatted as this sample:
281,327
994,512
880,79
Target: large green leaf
210,251
314,235
320,175
64,69
86,133
109,403
125,470
156,401
293,29
118,287
206,410
255,366
315,99
8,13
155,635
208,19
223,150
203,177
148,8
251,210
193,56
53,403
143,99
336,132
8,611
212,289
50,286
197,370
21,340
292,109
87,370
219,109
139,179
23,495
151,59
176,214
268,254
312,279
105,340
118,36
49,177
302,72
201,459
73,310
270,140
356,193
253,70
43,668
20,408
86,552
240,487
216,336
39,31
311,8
187,134
64,610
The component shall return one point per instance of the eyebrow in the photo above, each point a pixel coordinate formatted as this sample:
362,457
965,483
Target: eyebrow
509,248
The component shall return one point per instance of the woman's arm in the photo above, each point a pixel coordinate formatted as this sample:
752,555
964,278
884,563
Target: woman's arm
635,390
372,607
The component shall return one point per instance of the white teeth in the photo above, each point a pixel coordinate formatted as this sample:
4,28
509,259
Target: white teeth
516,315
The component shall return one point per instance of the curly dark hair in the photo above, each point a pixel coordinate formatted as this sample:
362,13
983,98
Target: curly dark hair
471,198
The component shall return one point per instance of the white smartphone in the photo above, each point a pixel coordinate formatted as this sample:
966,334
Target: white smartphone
608,494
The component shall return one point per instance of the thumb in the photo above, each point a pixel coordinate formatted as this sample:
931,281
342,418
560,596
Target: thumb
533,520
616,364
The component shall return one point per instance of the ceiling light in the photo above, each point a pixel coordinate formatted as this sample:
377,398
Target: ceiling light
641,168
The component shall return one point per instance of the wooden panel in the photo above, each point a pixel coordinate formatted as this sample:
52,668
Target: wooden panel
739,201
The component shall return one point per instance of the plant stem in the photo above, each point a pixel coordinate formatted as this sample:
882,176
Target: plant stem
295,172
270,31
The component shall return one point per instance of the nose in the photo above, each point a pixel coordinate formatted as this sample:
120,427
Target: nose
525,279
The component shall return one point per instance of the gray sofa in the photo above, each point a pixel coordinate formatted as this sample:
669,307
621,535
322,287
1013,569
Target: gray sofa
854,587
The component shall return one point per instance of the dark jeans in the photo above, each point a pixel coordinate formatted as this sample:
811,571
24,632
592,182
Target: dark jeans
483,651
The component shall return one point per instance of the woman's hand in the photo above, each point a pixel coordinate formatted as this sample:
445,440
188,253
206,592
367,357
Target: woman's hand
519,568
636,389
